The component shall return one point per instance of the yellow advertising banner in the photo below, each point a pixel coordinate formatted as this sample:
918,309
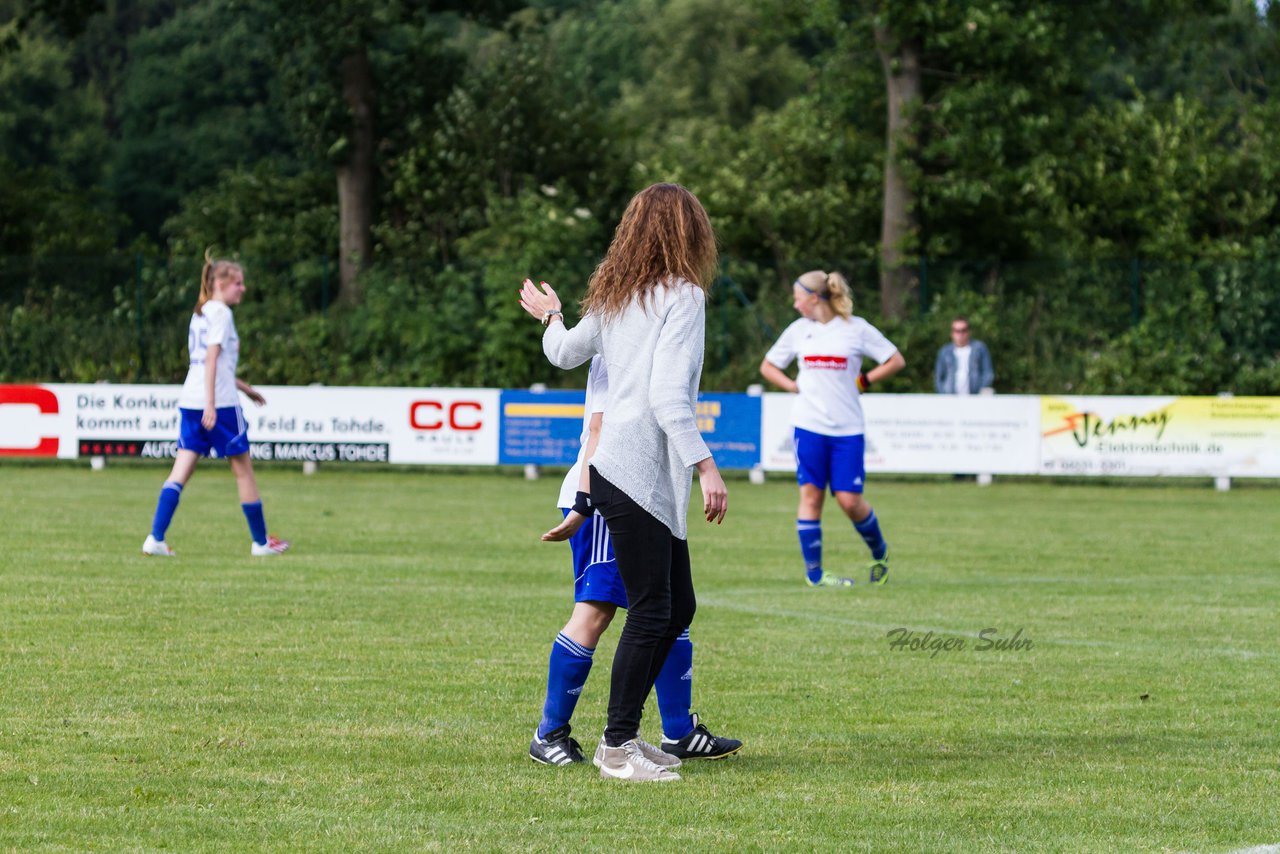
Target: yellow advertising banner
1186,436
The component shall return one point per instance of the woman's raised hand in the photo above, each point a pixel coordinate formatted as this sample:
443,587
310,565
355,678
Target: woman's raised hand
538,302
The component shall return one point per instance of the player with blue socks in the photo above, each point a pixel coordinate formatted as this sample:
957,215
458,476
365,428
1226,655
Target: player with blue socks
209,409
830,343
598,593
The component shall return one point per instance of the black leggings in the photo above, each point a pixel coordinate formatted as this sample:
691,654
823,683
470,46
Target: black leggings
655,571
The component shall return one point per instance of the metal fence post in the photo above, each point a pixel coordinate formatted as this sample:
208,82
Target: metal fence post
137,291
1222,482
324,285
1135,291
924,285
724,333
532,470
756,475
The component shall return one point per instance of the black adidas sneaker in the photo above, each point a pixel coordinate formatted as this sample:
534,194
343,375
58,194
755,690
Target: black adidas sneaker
701,744
556,749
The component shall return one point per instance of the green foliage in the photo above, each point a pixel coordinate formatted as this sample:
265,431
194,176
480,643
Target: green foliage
1208,328
790,185
199,96
517,119
46,334
46,120
261,213
546,235
710,62
1096,181
43,215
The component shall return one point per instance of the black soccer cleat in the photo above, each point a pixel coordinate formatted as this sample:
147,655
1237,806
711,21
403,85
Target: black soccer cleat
556,749
701,744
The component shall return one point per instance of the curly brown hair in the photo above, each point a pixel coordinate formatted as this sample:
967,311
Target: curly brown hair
664,234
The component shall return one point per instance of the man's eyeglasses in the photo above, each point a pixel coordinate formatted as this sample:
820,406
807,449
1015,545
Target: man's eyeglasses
959,329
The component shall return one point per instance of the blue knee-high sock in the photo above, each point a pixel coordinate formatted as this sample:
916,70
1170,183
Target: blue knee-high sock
869,528
675,689
166,506
566,674
810,533
257,524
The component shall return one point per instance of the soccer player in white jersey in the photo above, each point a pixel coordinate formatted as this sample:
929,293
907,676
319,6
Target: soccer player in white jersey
209,408
830,344
598,593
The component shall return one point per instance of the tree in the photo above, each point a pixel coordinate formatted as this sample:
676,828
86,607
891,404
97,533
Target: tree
900,57
198,97
332,78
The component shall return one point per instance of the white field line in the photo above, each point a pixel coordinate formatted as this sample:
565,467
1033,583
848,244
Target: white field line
719,601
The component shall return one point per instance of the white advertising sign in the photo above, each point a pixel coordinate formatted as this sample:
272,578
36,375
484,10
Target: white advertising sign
927,433
396,425
1006,434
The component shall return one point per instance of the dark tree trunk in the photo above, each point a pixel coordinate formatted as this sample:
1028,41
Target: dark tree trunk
901,62
355,178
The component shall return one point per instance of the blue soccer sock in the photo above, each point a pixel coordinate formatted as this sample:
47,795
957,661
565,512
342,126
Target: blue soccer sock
810,533
166,506
869,528
257,524
566,674
675,689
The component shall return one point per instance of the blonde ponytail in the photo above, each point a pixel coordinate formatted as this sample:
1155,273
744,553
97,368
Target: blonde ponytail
831,287
213,270
841,296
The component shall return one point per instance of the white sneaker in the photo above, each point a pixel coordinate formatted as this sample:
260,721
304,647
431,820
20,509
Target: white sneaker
156,548
273,546
628,762
657,755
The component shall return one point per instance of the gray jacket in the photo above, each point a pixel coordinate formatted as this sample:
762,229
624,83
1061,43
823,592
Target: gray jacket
981,373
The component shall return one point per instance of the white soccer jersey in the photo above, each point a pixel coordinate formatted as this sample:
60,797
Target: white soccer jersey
214,326
830,357
597,397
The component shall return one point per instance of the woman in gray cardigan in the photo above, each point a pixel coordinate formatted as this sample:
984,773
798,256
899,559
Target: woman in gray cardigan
645,312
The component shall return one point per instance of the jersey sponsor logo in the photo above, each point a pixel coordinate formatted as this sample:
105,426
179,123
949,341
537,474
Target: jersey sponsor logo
46,403
827,363
461,415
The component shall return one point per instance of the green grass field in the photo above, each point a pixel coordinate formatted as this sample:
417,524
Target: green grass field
376,688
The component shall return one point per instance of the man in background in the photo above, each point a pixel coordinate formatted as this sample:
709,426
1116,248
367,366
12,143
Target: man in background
964,365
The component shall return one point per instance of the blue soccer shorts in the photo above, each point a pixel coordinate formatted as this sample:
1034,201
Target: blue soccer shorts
834,460
595,569
229,436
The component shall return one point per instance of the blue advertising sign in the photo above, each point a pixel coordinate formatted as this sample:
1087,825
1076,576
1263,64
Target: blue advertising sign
540,427
730,425
545,428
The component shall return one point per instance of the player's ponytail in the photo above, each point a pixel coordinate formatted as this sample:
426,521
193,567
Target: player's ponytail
213,270
840,295
831,287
